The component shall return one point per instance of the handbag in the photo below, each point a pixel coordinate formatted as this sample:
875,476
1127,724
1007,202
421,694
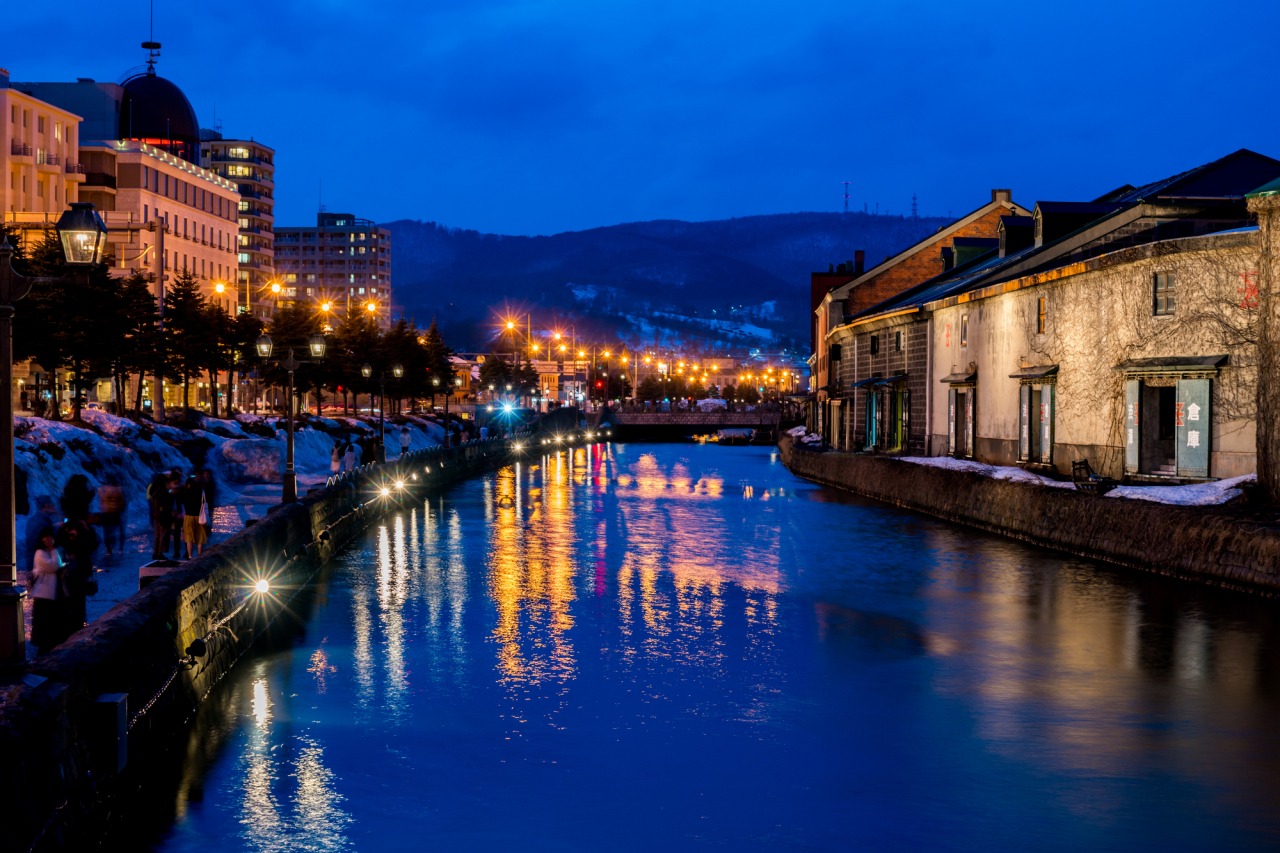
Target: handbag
204,510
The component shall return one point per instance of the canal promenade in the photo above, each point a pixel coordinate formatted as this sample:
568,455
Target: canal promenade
1208,544
77,723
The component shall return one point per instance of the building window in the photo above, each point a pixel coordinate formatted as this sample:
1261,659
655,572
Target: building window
875,344
1042,314
897,341
1163,299
964,330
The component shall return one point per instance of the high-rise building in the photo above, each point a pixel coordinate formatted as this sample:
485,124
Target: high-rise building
251,166
343,262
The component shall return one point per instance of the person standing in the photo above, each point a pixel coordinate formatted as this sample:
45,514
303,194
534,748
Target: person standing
77,541
210,488
111,513
48,619
335,458
76,497
191,499
349,455
405,440
44,515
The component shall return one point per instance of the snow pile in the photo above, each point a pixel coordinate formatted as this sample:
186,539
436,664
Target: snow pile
996,472
797,432
1197,494
712,404
228,429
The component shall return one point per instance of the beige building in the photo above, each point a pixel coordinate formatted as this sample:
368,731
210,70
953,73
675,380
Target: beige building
343,262
140,150
40,156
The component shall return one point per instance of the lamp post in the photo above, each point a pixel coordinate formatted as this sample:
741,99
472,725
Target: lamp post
457,383
367,371
83,235
289,492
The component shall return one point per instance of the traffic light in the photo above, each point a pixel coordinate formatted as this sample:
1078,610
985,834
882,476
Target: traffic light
599,383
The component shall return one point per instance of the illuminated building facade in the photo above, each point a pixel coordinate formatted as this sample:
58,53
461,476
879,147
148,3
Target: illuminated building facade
251,167
342,260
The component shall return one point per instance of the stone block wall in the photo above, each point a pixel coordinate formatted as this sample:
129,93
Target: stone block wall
1200,543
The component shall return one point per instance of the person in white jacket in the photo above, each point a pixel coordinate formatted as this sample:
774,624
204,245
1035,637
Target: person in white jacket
48,600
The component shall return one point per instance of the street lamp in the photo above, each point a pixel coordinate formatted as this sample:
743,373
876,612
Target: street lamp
366,371
83,236
289,491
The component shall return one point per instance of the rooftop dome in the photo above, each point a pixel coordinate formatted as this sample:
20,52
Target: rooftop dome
154,111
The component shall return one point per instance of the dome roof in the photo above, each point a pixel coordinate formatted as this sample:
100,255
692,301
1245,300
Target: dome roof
154,111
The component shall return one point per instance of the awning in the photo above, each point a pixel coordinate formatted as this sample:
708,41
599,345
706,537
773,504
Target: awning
862,383
1035,372
1178,364
960,378
892,380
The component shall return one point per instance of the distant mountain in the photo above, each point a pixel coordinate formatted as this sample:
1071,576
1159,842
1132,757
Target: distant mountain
730,285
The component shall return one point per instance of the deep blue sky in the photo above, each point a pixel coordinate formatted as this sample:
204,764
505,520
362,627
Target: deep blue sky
537,117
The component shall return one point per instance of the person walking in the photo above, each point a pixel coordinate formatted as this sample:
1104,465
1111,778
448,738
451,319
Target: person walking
48,619
335,458
192,500
405,440
111,513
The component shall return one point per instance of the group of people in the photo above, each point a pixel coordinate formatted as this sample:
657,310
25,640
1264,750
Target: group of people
181,512
58,554
346,455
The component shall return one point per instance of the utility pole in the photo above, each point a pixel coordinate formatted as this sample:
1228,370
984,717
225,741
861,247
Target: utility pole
157,401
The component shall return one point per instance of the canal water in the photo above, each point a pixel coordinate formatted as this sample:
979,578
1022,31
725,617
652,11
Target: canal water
684,647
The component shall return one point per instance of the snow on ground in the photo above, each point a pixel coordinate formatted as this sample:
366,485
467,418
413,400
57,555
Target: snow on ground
51,452
996,472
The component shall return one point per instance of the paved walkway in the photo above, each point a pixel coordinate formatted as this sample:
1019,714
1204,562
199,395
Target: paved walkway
118,574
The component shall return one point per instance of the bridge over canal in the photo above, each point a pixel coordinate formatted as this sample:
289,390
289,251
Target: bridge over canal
658,426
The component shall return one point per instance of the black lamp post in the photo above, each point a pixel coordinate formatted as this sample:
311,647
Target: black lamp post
83,236
289,491
367,371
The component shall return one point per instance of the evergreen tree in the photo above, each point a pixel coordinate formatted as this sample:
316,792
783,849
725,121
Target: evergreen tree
188,335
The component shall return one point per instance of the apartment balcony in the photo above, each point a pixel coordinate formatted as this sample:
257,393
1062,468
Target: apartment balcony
74,168
224,157
17,149
99,179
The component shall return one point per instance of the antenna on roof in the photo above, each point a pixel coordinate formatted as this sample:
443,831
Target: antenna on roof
846,196
151,46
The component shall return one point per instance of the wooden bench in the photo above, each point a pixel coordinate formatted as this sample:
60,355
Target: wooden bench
1088,480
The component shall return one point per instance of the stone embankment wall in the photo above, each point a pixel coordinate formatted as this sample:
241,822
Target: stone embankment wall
125,684
1206,544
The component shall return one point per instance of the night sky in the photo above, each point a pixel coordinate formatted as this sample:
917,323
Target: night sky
539,117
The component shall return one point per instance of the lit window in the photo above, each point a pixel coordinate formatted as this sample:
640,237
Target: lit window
964,330
1042,314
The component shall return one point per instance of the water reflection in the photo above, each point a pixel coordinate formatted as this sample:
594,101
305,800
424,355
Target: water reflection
289,799
589,626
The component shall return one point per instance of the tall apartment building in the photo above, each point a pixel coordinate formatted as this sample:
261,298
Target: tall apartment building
251,167
342,261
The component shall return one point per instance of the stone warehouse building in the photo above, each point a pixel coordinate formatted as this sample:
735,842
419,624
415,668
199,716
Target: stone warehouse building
1121,330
